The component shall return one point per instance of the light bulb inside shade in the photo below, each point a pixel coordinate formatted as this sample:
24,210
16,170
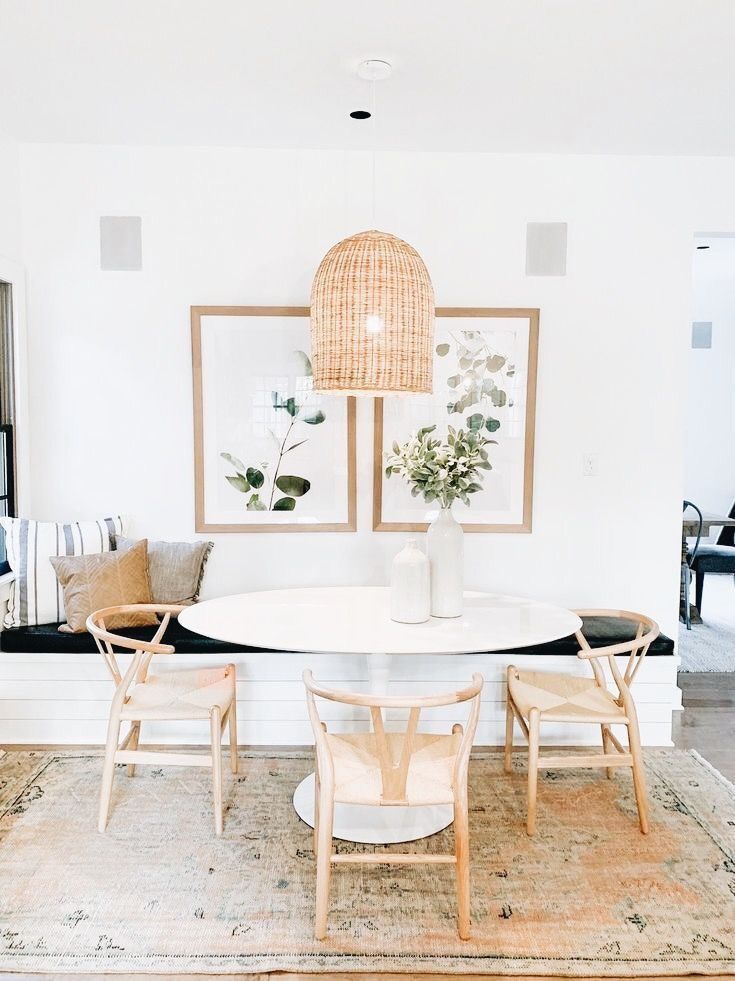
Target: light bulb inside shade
374,323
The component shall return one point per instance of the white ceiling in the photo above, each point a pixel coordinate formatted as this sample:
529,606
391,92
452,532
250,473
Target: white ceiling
580,76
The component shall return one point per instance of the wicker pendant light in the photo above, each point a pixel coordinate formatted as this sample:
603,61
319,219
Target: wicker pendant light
372,305
372,318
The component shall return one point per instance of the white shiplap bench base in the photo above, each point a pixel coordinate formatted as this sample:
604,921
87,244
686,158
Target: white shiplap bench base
64,699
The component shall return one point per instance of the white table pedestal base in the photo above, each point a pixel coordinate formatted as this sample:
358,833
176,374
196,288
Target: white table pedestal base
375,825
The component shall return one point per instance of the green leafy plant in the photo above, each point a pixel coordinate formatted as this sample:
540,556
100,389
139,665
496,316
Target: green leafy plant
442,471
256,481
477,380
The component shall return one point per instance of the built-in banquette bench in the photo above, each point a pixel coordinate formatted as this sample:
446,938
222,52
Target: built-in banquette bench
54,687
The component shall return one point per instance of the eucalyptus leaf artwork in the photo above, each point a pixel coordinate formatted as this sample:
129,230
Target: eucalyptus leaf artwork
266,486
480,416
271,452
446,471
478,378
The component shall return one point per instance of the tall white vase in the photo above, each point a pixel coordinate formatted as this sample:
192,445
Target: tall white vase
446,556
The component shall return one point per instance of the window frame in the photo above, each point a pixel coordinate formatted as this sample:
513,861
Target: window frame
13,273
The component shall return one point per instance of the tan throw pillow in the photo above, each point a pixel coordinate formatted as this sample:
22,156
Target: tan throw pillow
176,569
93,582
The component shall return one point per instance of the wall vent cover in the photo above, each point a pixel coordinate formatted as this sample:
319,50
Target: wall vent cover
121,244
702,334
546,248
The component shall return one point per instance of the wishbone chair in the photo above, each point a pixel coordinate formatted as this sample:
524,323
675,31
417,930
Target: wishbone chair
541,696
388,769
197,693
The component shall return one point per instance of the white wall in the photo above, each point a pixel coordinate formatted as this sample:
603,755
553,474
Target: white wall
110,377
110,352
10,228
710,399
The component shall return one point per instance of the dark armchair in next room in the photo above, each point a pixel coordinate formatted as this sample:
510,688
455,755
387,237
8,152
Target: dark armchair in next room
715,559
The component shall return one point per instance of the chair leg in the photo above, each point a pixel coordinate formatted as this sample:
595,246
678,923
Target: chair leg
607,747
462,854
698,590
215,721
639,775
133,745
533,744
232,729
508,760
317,794
108,772
323,865
687,608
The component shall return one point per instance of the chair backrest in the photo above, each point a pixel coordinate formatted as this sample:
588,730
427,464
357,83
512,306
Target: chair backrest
637,647
692,553
144,650
727,535
394,772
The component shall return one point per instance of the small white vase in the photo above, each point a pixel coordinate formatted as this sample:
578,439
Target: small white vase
446,556
410,593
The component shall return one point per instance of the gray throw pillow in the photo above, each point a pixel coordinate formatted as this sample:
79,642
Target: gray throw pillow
176,569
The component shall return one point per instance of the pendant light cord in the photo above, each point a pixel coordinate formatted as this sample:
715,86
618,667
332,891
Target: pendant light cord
375,140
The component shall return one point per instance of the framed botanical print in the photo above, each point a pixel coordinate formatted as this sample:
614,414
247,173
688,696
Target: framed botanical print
271,455
485,364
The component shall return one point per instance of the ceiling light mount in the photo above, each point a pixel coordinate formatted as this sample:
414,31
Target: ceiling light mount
374,70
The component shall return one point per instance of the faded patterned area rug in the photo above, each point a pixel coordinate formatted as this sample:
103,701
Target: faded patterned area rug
588,896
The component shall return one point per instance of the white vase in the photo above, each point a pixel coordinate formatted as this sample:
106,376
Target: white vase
446,556
410,594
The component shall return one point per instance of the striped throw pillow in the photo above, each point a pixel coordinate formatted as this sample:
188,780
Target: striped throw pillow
36,595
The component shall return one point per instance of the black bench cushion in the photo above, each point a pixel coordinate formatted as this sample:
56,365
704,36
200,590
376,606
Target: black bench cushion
46,639
601,631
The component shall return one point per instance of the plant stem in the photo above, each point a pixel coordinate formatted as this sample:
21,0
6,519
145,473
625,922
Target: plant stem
278,465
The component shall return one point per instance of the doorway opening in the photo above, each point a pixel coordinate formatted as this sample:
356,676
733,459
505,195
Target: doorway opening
709,455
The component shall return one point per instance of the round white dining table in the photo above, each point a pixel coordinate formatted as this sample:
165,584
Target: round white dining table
356,620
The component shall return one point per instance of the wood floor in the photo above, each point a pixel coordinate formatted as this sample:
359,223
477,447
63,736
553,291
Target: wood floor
707,725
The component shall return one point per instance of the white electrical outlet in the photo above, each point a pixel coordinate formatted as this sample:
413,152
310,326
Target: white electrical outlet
589,465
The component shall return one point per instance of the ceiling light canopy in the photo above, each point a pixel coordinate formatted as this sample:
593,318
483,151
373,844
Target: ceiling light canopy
374,70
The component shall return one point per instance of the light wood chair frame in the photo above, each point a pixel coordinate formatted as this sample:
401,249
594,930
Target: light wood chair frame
394,774
127,751
614,754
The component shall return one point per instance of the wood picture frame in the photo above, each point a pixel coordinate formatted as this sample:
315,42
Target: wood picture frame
525,507
203,454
